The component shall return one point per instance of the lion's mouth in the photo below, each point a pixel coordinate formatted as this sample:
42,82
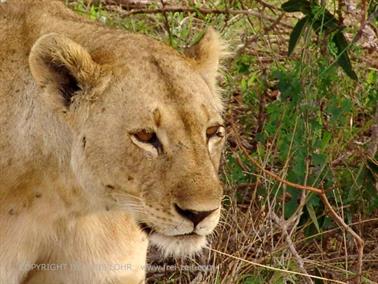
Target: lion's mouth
149,231
175,245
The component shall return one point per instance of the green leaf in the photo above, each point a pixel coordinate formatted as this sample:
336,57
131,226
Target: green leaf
292,204
314,219
255,279
296,33
322,20
297,6
330,22
325,139
342,56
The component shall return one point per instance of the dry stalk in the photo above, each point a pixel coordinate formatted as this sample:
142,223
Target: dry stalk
125,11
294,219
329,209
284,228
166,23
275,268
373,145
267,5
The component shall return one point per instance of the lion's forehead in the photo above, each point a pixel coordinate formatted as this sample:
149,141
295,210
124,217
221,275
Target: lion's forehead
175,94
166,76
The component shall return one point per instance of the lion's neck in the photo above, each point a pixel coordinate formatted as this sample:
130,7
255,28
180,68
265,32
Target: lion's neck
37,171
49,138
39,148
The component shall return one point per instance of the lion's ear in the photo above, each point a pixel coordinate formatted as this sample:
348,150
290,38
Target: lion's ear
62,67
207,54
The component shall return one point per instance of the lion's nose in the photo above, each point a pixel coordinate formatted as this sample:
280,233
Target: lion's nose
195,216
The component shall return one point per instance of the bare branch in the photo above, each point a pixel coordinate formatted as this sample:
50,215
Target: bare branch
173,9
329,209
283,226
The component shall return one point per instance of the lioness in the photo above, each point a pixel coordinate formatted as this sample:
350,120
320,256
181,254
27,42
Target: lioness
108,140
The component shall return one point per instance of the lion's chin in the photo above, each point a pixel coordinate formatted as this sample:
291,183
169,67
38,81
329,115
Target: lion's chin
178,246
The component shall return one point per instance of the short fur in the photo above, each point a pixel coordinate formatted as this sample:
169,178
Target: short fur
75,182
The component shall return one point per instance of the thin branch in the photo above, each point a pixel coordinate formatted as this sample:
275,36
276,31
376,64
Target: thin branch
173,9
266,5
283,226
357,239
363,22
278,178
294,219
166,23
274,268
329,209
373,145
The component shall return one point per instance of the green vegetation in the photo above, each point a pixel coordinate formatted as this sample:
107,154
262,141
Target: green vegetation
301,117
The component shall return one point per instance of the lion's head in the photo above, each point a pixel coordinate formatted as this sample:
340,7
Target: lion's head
147,131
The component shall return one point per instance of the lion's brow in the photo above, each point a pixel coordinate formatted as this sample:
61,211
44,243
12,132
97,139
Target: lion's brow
206,112
157,117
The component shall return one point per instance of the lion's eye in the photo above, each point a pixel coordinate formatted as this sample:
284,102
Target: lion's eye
145,136
148,137
216,130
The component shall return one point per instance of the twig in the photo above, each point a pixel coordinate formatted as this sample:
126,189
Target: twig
266,5
357,239
261,113
278,178
363,22
166,23
294,219
266,30
329,232
331,212
373,145
339,11
329,209
283,225
274,268
173,9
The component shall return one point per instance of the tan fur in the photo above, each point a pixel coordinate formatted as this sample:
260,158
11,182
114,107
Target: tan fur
74,181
